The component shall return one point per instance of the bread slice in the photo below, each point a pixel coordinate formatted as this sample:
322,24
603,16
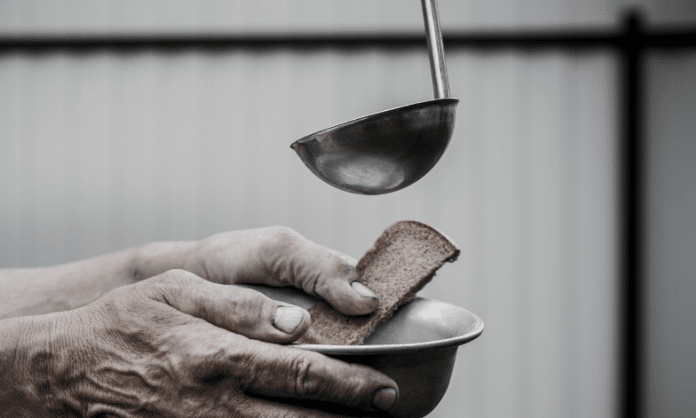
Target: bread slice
399,264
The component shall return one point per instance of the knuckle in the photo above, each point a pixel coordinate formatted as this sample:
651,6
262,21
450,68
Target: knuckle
320,380
247,309
281,239
167,278
306,378
279,248
166,285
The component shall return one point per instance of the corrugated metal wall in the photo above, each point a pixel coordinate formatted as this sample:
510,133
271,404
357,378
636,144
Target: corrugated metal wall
295,15
107,150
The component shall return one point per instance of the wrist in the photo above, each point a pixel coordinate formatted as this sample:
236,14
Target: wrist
157,257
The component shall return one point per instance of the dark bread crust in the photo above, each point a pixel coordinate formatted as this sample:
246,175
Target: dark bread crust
399,264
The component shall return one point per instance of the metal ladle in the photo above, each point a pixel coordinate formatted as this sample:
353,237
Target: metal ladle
387,151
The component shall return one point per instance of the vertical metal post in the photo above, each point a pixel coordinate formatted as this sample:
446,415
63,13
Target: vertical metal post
632,44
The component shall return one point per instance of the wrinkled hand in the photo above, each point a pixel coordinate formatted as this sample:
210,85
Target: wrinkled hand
189,343
179,346
279,256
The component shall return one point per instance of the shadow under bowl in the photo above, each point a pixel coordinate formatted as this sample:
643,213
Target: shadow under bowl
417,348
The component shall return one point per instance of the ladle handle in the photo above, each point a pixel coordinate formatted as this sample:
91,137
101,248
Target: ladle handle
435,49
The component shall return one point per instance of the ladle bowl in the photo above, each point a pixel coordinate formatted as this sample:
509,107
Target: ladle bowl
382,152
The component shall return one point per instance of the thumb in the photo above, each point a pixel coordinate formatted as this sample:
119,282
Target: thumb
236,309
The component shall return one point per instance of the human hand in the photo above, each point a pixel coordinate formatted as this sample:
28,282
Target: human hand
279,256
178,346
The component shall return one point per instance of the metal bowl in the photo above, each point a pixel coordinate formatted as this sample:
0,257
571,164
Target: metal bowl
417,348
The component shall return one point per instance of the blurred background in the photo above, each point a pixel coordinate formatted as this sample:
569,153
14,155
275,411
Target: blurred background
112,144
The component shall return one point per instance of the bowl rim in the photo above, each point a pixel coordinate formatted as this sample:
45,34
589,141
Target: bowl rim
297,297
373,349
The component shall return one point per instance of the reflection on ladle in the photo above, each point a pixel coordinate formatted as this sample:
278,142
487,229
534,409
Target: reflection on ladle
362,173
389,150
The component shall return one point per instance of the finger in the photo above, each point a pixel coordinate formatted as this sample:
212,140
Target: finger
285,372
332,276
245,378
292,259
255,406
240,310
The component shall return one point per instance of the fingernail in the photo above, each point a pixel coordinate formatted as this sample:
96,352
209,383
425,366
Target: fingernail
384,399
362,290
287,318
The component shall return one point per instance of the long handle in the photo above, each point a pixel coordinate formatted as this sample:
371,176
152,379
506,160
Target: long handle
435,49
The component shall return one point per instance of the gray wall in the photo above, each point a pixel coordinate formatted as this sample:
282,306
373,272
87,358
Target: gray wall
670,260
106,150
